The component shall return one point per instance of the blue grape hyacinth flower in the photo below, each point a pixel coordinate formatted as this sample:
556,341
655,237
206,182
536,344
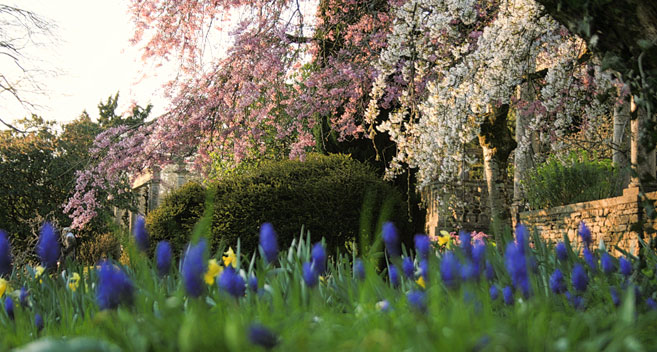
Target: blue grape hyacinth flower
22,297
318,258
5,255
393,274
449,269
391,239
466,243
194,267
163,257
579,278
261,336
253,283
424,269
522,238
516,265
494,292
590,260
359,269
422,245
114,287
417,300
585,233
268,242
507,293
562,253
625,266
490,272
310,275
557,282
232,282
141,234
408,268
9,307
48,247
615,298
576,301
38,322
607,263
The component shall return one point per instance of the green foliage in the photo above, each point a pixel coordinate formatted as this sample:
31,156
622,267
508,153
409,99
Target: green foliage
100,246
175,218
578,178
324,194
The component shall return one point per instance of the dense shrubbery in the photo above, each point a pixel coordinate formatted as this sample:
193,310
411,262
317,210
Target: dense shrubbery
102,246
578,178
324,194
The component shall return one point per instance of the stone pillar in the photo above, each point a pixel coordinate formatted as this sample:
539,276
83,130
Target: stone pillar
620,141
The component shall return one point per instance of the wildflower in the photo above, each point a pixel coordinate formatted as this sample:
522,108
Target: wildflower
449,267
422,245
478,253
9,307
516,265
408,267
163,257
562,253
38,322
614,296
625,266
651,303
466,243
490,272
359,269
607,263
417,300
4,284
424,269
575,300
579,278
193,268
383,306
585,233
48,247
213,270
590,260
310,276
74,282
391,239
261,336
140,233
38,271
253,283
22,297
114,287
522,237
494,292
507,293
557,282
268,242
5,255
420,281
232,282
318,258
444,239
393,274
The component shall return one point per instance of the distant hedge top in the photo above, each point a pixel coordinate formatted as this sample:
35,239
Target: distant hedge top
325,194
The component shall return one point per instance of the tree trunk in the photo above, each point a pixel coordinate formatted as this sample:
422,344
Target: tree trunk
497,143
620,141
522,156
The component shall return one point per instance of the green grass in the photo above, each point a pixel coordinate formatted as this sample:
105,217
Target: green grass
340,314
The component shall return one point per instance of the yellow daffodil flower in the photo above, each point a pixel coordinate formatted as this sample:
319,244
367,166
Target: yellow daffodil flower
230,258
38,271
74,282
444,239
421,282
214,269
4,285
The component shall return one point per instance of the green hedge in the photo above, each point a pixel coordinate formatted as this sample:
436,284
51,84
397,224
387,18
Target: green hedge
327,195
576,179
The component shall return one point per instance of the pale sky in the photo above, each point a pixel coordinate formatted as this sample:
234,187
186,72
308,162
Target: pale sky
92,58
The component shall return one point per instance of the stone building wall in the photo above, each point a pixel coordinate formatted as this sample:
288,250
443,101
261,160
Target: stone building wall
612,220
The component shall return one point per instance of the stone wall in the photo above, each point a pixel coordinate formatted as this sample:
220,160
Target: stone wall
612,220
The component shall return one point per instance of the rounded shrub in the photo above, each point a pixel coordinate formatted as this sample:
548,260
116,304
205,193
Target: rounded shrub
175,218
101,246
323,194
